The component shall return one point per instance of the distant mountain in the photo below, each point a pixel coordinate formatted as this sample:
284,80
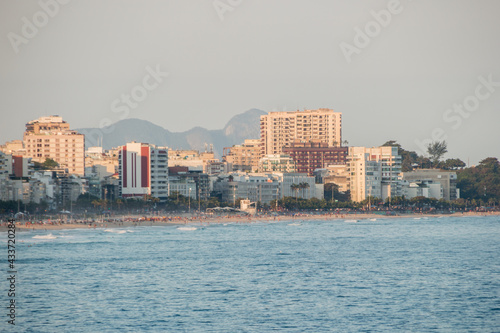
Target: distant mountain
243,126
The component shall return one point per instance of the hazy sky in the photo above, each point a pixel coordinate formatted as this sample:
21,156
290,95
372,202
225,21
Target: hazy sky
404,75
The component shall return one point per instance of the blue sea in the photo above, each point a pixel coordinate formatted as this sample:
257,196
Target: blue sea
387,275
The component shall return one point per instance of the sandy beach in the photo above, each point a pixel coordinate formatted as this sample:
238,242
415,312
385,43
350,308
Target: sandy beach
128,221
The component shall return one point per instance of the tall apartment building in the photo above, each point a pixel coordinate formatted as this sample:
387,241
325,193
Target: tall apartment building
315,154
143,170
281,129
244,157
51,137
373,172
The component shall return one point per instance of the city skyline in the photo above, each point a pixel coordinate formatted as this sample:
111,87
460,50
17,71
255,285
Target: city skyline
423,71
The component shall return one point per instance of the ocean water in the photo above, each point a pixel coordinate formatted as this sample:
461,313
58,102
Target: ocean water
388,275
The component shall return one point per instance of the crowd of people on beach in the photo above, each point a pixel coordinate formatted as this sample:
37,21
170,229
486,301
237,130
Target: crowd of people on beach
137,220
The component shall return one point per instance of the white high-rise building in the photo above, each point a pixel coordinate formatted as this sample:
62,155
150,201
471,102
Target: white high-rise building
374,172
143,170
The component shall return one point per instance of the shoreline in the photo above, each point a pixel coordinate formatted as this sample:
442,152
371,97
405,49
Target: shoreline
20,226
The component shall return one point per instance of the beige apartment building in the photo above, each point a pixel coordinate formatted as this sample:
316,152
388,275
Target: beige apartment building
14,147
243,157
51,137
281,129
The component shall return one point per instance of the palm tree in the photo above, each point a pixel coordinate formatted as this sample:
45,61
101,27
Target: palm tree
96,203
119,202
155,200
303,186
295,187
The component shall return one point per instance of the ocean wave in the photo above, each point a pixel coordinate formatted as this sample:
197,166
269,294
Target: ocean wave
115,231
187,228
49,236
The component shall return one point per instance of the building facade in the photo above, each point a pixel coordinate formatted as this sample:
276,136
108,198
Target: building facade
255,187
446,180
194,184
244,157
281,129
336,174
374,172
265,187
51,137
315,154
143,170
277,163
100,163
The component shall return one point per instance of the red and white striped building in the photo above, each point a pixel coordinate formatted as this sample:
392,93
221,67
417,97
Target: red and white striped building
143,170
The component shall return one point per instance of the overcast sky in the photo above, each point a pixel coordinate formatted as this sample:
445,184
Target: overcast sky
223,57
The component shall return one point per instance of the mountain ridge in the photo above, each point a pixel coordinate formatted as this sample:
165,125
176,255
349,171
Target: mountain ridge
242,126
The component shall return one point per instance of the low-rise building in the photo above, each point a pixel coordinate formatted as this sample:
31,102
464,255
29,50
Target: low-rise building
189,183
277,163
336,174
447,181
306,186
255,187
192,159
265,187
100,163
14,147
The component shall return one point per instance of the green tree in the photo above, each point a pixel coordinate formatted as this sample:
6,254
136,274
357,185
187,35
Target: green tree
408,158
480,182
451,164
436,150
50,164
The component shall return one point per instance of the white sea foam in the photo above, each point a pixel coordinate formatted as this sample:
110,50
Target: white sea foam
351,221
49,236
187,228
294,224
116,231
